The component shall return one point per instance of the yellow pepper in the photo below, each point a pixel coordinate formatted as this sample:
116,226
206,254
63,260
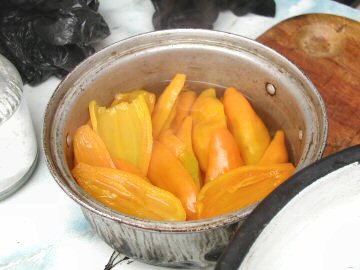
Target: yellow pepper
276,151
247,127
241,187
167,172
166,104
208,115
128,193
183,153
126,130
150,98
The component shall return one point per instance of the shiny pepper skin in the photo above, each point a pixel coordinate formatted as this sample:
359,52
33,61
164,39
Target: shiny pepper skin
183,107
240,188
90,149
165,107
249,130
183,152
224,154
167,172
128,193
208,115
276,151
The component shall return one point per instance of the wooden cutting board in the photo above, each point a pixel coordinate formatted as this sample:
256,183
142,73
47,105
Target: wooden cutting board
327,49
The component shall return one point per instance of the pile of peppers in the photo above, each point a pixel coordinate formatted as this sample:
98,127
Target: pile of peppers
180,157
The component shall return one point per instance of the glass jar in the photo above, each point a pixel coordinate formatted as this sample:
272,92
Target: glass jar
18,147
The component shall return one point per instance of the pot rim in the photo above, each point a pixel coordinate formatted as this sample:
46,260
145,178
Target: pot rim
269,208
92,205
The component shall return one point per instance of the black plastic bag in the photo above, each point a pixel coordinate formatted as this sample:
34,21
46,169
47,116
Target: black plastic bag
203,13
184,13
49,37
242,7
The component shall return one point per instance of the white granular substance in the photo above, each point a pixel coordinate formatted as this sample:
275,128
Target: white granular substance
18,147
318,230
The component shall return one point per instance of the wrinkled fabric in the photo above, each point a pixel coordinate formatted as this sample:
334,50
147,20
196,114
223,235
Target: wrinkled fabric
49,37
203,13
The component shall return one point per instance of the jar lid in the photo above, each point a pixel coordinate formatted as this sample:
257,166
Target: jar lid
10,89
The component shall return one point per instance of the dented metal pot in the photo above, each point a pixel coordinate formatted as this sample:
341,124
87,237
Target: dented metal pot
280,92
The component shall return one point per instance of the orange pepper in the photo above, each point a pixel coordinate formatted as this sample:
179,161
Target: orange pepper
90,149
183,153
224,154
208,115
184,132
166,104
167,172
128,193
247,127
276,151
240,188
183,107
207,107
171,117
126,166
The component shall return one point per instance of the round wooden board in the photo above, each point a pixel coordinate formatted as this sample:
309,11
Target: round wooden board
327,49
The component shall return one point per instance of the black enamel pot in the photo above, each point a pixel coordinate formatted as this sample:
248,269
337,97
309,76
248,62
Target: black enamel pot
309,222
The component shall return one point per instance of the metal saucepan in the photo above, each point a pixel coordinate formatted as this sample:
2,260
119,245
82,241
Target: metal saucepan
279,91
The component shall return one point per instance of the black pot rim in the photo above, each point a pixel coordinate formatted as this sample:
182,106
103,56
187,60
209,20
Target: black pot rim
253,226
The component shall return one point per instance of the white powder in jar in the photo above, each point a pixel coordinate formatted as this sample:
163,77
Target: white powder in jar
18,148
